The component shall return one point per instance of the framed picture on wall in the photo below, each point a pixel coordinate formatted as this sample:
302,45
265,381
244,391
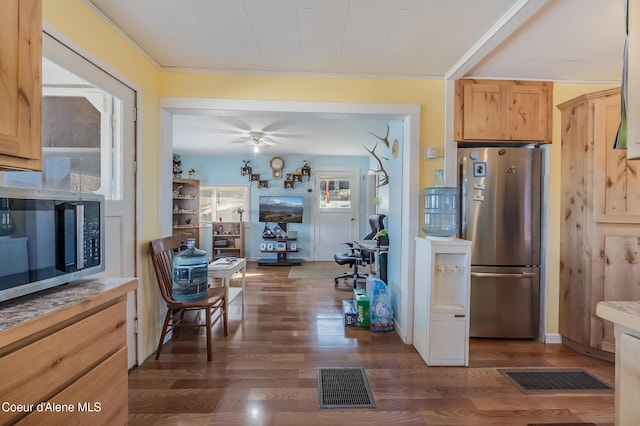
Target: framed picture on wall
293,246
263,246
270,247
281,246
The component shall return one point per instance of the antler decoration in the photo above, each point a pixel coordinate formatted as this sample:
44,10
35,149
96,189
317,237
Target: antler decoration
384,140
384,180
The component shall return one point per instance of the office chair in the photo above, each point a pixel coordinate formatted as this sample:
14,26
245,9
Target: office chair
356,257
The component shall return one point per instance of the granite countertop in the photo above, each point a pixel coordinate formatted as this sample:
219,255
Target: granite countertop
625,313
18,311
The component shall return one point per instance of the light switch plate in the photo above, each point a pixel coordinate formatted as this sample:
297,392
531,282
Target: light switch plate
431,153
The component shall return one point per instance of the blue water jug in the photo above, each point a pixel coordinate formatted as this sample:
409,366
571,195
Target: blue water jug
190,268
441,211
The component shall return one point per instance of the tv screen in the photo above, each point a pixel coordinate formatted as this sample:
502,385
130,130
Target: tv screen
287,209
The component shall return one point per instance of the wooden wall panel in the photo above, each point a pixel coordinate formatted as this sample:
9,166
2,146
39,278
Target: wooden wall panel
576,210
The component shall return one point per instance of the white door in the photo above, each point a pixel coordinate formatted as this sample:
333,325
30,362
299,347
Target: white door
106,165
336,211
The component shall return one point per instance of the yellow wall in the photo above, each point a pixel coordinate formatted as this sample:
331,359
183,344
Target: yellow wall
77,22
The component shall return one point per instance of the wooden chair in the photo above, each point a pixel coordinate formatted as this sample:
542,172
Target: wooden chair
162,252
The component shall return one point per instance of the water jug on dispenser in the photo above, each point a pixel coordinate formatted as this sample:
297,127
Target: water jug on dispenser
440,209
190,268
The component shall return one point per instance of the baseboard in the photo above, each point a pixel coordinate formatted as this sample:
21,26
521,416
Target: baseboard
553,338
594,352
400,331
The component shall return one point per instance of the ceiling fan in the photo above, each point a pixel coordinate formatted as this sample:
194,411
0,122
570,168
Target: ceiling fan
259,140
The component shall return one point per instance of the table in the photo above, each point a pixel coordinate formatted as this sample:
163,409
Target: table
224,268
381,263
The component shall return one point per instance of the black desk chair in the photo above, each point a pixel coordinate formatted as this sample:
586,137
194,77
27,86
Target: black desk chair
356,257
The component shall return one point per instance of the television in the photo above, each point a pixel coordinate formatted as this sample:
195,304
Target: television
280,209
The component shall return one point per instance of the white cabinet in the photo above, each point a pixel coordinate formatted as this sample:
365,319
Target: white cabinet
441,300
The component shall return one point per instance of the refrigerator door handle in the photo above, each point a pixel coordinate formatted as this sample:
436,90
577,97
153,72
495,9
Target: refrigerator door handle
463,197
496,275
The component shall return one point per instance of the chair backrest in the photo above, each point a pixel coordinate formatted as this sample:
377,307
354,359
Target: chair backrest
162,251
376,224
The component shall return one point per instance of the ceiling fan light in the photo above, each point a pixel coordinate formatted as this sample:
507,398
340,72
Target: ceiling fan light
256,149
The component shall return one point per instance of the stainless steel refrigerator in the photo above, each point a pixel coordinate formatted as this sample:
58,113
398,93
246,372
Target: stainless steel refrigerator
500,215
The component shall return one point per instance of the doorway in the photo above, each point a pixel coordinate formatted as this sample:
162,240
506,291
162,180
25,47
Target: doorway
403,213
335,211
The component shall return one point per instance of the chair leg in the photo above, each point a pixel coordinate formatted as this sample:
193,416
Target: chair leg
177,329
224,316
167,318
208,321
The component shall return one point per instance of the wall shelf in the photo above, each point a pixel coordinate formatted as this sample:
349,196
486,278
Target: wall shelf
185,209
228,238
287,244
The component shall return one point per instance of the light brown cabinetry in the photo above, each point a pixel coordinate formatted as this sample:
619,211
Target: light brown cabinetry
600,232
71,355
186,208
21,85
228,238
502,110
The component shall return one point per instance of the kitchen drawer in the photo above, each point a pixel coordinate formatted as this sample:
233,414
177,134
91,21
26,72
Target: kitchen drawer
96,397
39,370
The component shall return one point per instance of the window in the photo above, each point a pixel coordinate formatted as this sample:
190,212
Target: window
81,137
334,193
222,202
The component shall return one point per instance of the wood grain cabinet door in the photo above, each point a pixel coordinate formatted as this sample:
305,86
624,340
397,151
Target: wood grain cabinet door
616,267
21,85
529,113
616,189
483,115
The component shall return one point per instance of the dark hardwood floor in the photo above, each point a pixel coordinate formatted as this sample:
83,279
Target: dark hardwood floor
265,371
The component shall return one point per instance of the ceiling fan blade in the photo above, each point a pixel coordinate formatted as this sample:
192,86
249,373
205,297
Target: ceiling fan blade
271,142
274,127
238,125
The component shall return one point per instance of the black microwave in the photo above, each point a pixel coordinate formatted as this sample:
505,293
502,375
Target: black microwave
48,238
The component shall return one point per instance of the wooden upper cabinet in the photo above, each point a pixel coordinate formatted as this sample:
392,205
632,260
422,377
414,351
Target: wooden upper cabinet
503,110
21,85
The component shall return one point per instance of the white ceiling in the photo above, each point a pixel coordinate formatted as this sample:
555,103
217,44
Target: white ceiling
555,40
